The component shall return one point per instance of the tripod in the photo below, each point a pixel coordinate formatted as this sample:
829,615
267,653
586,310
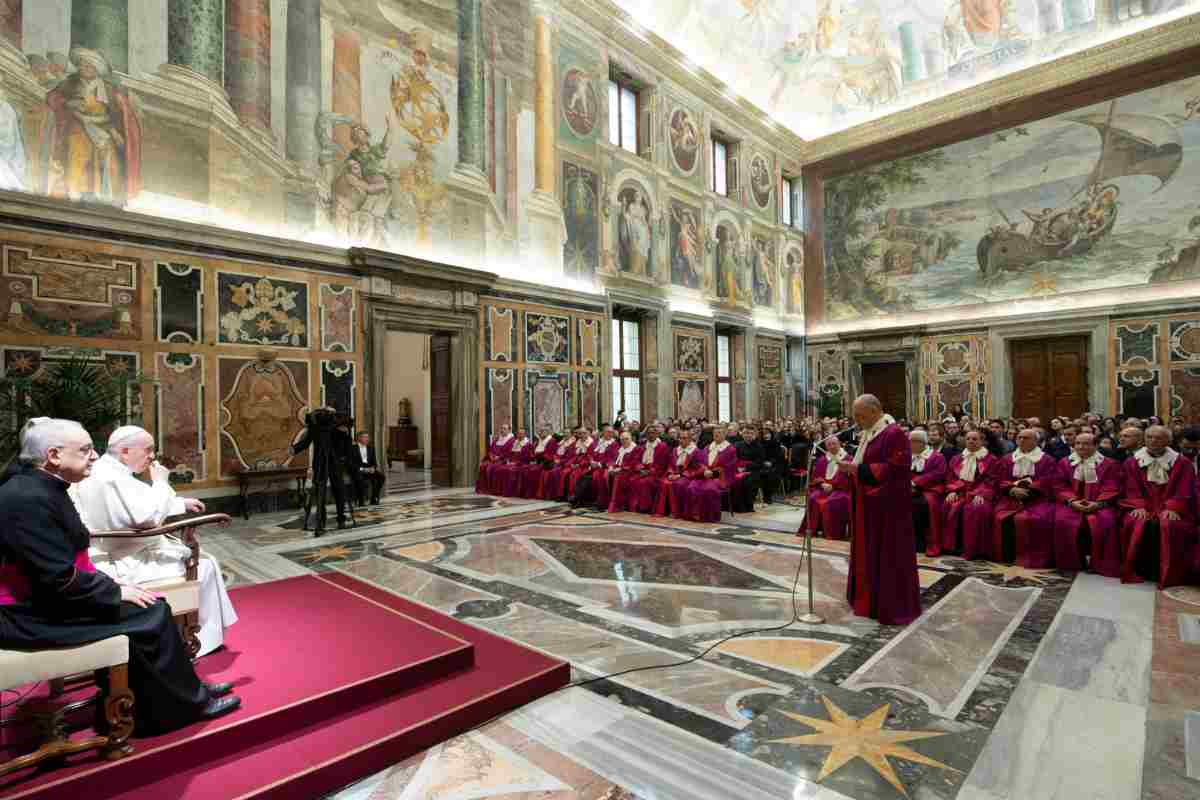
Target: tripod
321,431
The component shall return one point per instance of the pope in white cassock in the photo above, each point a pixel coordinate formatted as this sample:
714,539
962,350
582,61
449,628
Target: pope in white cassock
113,497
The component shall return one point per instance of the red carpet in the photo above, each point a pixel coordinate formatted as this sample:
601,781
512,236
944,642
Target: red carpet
338,680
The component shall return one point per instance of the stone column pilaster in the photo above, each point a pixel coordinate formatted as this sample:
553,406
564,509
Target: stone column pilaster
471,97
103,25
303,80
248,61
548,231
10,25
196,37
347,81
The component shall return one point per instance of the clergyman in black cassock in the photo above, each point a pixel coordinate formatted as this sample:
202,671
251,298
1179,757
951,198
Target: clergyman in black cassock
41,533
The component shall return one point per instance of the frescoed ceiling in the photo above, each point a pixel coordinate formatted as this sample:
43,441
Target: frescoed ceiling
821,66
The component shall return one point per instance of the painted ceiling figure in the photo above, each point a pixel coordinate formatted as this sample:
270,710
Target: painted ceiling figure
418,103
92,139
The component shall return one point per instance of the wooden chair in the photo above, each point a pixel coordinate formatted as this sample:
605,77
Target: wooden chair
49,715
183,593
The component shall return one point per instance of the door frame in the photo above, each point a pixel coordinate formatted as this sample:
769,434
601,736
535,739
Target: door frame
906,356
1099,358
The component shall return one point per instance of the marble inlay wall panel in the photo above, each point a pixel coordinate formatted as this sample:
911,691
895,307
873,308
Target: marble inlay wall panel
257,310
500,334
589,399
179,302
337,385
500,393
547,339
691,399
693,371
70,291
955,371
1156,367
548,401
337,317
829,379
181,396
590,344
262,410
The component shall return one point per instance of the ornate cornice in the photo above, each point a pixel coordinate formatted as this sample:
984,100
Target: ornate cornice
1126,51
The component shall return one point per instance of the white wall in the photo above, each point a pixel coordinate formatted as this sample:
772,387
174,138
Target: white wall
405,378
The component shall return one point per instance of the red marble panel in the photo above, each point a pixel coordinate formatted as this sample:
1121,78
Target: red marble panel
181,415
248,60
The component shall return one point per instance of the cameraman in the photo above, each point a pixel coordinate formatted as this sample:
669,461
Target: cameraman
327,432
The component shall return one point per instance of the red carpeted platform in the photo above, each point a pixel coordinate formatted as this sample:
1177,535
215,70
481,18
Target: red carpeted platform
338,680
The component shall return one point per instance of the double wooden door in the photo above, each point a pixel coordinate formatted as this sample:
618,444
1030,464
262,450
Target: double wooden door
888,382
1050,377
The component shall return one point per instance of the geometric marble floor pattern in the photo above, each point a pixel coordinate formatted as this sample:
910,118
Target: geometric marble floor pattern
1013,683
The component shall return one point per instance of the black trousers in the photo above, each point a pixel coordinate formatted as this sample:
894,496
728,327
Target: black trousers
362,479
167,693
921,521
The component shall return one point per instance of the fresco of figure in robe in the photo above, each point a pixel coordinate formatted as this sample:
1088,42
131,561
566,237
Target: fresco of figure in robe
687,260
633,232
91,141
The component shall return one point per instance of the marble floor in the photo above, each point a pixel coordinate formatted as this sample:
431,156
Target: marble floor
1014,684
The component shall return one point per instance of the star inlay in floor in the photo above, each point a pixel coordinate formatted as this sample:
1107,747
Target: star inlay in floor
866,738
1012,572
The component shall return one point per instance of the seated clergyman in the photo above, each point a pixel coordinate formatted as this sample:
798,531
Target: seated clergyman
113,498
54,599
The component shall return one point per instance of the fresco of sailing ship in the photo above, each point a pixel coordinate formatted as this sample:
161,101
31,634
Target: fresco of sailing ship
1130,145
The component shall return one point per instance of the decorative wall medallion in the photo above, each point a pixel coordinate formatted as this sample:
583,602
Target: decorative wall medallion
255,310
337,317
1185,340
578,101
179,301
953,358
689,354
547,339
762,181
683,131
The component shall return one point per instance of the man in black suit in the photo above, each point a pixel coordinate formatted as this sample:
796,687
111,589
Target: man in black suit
937,441
365,469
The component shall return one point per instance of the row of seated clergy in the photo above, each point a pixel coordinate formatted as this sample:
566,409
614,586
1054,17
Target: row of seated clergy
1134,520
685,481
113,498
53,597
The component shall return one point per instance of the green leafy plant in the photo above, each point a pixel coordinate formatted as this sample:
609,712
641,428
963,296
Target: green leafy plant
77,387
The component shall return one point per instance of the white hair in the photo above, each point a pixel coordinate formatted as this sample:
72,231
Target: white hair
127,436
44,433
920,436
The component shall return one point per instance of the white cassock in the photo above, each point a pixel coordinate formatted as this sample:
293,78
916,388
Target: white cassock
113,498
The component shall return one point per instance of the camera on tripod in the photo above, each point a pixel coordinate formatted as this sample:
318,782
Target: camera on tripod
328,432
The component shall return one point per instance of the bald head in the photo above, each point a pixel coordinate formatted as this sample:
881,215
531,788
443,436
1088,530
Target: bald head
867,410
1158,439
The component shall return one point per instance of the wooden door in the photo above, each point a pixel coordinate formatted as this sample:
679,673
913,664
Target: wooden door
440,410
888,382
1050,377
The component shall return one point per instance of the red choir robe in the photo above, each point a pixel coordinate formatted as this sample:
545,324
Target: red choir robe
1176,539
930,483
582,464
1098,532
966,527
540,460
497,451
507,473
636,493
685,466
625,462
1032,519
883,561
598,461
829,512
704,494
554,480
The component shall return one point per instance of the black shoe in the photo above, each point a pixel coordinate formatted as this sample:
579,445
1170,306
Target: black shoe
220,706
218,689
341,524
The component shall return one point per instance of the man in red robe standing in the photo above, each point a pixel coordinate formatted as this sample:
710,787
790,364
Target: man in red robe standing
1087,519
883,559
1160,493
1025,482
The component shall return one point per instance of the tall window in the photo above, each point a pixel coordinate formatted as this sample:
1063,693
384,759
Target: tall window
622,115
720,170
789,202
627,368
724,380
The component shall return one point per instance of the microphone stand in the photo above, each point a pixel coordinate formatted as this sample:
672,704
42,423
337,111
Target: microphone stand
812,617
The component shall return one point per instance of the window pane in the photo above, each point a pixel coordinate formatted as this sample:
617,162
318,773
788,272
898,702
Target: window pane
616,406
616,344
632,346
633,399
785,197
798,202
719,163
723,357
724,412
628,120
614,114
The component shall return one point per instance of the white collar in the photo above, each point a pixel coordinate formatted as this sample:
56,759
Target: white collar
918,461
879,427
1158,469
718,447
503,439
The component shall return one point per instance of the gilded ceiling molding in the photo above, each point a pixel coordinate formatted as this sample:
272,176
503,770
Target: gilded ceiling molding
1151,43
